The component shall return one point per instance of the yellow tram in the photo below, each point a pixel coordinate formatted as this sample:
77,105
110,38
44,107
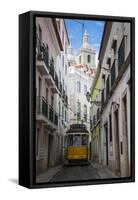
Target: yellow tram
77,144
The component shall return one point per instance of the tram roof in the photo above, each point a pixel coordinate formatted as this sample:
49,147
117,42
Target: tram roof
77,128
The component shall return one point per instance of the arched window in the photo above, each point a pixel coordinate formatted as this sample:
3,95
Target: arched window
85,112
78,86
89,59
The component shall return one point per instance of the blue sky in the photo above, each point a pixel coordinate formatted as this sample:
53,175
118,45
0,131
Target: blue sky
94,29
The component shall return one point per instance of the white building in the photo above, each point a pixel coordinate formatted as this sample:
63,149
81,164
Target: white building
114,59
51,91
81,73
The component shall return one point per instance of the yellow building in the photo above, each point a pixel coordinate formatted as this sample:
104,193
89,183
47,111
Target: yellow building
95,99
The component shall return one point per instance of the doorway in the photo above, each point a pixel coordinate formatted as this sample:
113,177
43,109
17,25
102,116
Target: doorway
117,149
124,151
50,150
106,143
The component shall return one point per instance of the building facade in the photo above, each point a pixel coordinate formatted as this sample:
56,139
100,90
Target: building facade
95,117
114,60
82,70
51,91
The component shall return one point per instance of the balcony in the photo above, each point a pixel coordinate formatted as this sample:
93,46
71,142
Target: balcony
46,114
52,78
42,58
46,66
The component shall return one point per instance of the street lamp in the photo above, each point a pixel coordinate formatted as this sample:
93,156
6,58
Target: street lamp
88,96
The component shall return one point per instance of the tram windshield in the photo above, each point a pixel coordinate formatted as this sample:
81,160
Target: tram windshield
77,140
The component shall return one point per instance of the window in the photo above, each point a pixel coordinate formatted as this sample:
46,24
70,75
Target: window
85,112
121,54
77,140
60,76
66,89
110,122
78,110
63,60
37,141
85,89
65,69
40,33
88,59
84,139
102,97
94,120
47,94
90,122
59,108
62,113
107,87
113,74
63,83
65,115
70,140
39,86
65,48
78,86
52,101
98,114
63,37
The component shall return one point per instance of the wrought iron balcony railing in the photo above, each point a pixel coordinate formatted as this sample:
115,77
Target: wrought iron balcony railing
43,53
42,107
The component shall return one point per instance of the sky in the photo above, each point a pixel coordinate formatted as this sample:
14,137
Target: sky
94,29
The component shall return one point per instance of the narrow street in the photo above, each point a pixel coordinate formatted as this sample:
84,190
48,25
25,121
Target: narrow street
62,173
72,173
82,103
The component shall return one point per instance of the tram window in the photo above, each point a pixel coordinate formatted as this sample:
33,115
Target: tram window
84,139
76,140
70,140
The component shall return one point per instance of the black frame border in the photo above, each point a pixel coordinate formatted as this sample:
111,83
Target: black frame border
27,175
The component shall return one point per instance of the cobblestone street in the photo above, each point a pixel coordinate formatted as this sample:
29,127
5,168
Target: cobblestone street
75,172
72,173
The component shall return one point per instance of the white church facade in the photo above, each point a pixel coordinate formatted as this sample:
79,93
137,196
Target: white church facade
81,72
